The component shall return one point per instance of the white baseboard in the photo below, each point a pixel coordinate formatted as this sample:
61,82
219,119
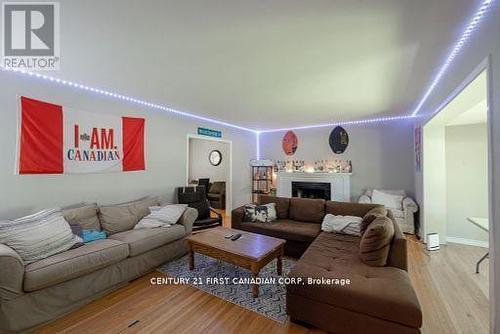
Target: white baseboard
470,242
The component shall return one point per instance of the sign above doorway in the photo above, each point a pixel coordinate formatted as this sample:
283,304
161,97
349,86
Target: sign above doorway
210,132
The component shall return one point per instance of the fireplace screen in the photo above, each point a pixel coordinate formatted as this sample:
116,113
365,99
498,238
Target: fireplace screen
311,190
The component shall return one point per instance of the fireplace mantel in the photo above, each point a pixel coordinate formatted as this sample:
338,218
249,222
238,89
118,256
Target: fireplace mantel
339,182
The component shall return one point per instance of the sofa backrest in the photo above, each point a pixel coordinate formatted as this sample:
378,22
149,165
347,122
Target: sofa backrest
348,209
307,210
218,187
282,204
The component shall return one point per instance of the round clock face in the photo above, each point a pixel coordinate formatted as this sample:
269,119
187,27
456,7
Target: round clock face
215,157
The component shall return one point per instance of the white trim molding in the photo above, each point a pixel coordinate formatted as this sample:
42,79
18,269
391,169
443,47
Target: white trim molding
470,242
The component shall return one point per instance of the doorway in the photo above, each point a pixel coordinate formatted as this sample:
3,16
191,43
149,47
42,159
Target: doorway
456,198
209,163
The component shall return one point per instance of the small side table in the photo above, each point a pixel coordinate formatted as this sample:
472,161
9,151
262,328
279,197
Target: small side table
484,225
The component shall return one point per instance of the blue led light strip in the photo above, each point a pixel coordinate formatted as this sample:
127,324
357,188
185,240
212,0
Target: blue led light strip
125,98
485,6
473,24
355,122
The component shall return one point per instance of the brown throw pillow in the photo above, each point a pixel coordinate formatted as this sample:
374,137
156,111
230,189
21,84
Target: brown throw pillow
370,216
376,242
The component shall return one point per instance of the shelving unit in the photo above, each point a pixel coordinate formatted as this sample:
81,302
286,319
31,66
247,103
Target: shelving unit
261,181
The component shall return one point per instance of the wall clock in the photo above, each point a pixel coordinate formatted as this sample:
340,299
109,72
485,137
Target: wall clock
290,143
339,139
215,158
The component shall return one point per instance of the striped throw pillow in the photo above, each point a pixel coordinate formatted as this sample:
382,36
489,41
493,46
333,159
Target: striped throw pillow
38,236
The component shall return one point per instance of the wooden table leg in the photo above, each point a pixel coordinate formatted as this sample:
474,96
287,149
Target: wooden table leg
279,264
191,258
255,287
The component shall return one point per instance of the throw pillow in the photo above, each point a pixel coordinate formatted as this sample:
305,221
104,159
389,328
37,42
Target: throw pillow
38,236
260,213
282,204
93,235
391,201
376,242
84,215
123,217
76,229
342,224
371,215
162,216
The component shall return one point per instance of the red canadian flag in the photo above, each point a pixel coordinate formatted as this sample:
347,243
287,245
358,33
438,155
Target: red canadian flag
59,140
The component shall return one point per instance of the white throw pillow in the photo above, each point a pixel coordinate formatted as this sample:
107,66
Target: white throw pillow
388,200
342,224
38,236
162,216
260,213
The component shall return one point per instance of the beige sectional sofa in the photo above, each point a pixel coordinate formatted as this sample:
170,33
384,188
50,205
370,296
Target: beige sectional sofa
41,291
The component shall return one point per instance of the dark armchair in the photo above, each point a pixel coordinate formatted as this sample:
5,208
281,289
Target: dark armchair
217,195
195,197
205,183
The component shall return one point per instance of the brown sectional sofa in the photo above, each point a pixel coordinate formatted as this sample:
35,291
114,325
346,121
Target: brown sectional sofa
377,300
41,291
299,222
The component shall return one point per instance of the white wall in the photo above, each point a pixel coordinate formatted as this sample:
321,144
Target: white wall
382,153
165,154
434,167
200,166
484,44
466,180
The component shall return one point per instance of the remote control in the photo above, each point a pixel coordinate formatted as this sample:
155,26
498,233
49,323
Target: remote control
236,237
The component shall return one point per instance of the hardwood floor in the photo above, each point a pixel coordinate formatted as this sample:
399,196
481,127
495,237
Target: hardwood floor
453,298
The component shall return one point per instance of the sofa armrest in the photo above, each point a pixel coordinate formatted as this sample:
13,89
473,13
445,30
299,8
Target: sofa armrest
365,199
11,272
187,219
237,217
410,205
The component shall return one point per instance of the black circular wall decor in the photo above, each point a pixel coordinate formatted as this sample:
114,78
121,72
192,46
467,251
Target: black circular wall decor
339,140
215,157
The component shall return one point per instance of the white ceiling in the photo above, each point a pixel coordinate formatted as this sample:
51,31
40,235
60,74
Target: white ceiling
478,114
470,106
263,64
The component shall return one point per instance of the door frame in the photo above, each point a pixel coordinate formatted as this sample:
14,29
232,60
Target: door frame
229,181
484,65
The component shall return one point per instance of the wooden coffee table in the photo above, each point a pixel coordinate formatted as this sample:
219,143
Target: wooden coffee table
252,251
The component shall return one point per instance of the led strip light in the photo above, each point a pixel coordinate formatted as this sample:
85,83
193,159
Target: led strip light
355,122
486,5
257,145
125,98
473,24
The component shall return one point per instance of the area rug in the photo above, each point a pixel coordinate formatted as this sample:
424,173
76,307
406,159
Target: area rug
271,300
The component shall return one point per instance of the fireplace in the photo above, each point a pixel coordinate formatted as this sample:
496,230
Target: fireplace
340,184
311,190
